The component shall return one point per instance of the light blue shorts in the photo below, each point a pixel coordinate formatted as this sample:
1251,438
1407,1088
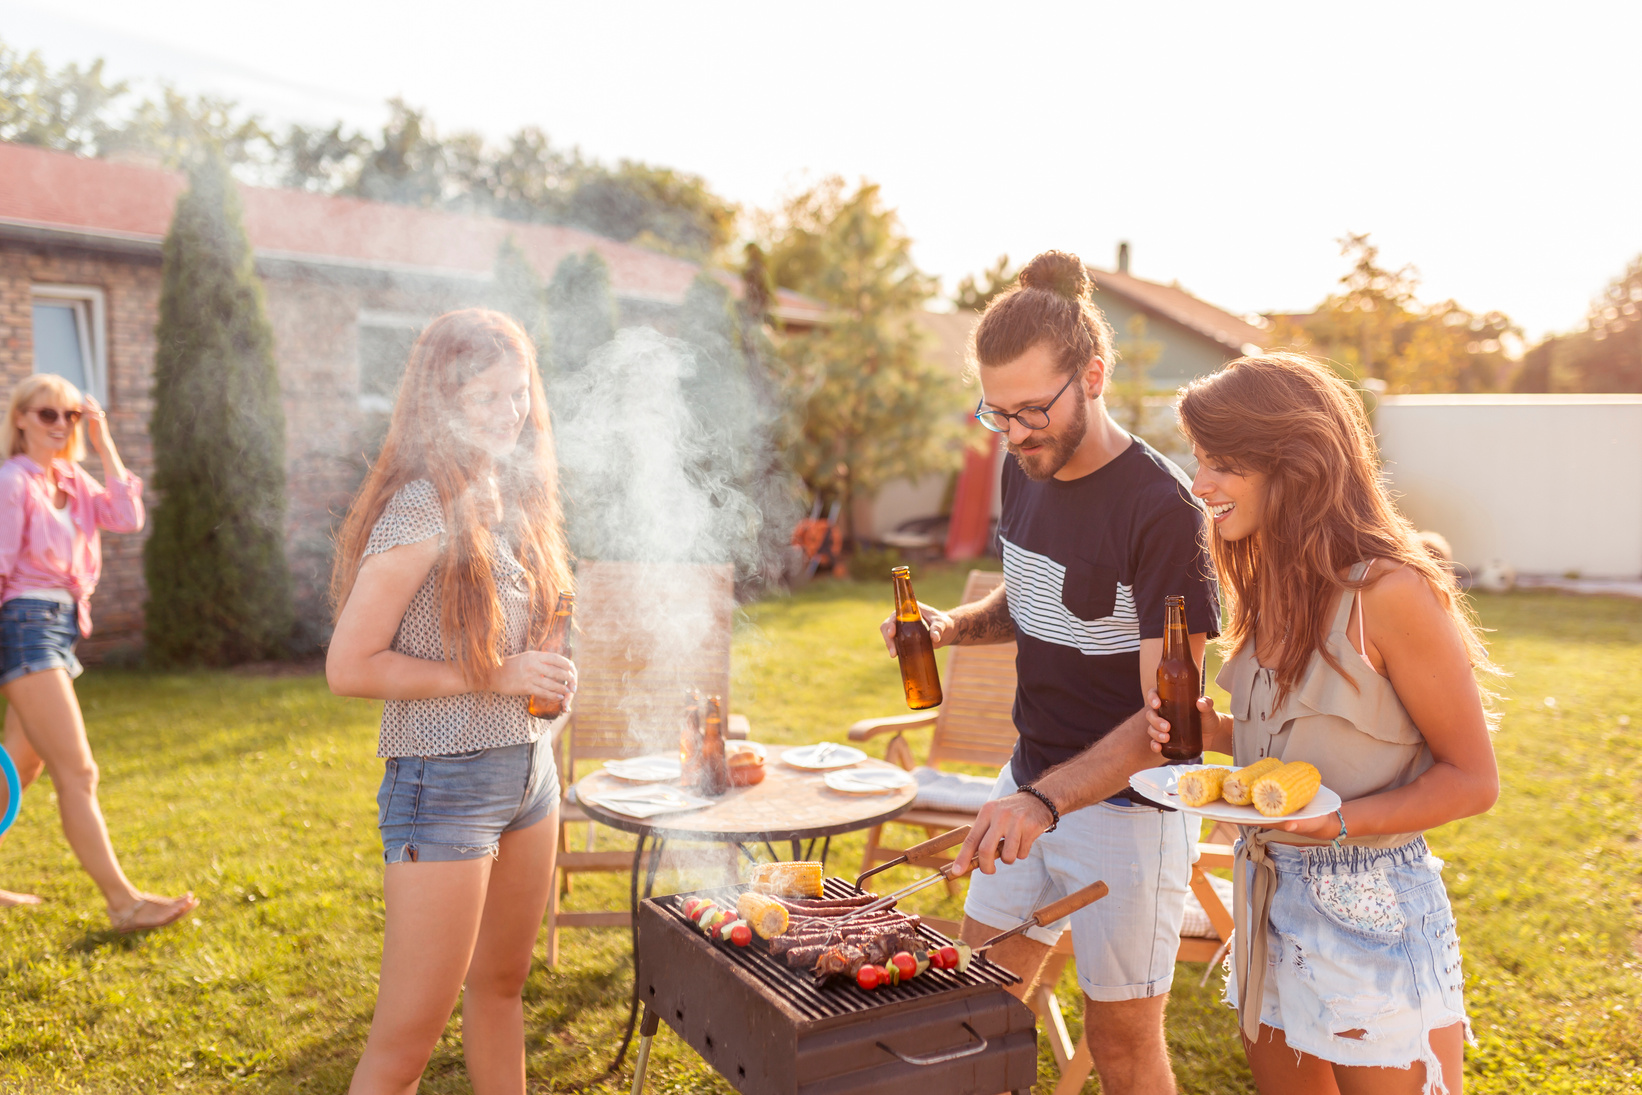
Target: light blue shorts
1125,943
436,809
1362,939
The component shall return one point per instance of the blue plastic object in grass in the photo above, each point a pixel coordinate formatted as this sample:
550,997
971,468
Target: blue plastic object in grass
14,791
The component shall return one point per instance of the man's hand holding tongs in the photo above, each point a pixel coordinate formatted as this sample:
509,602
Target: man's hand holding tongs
1006,828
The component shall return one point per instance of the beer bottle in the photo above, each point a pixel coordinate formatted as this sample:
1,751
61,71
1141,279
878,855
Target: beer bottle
556,642
1177,686
715,769
913,646
689,740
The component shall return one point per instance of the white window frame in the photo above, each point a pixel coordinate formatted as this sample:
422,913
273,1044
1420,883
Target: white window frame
404,321
90,314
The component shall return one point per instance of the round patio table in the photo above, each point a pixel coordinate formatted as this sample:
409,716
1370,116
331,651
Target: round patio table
790,805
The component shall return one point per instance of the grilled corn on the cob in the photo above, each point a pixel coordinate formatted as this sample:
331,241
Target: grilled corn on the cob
1279,793
797,879
767,917
1201,787
1240,784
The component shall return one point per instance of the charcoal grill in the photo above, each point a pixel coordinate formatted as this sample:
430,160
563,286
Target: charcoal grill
771,1030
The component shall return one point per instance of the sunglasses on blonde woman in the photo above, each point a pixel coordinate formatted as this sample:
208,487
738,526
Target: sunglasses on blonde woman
49,416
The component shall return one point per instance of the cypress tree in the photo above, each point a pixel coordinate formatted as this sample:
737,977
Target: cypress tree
218,585
581,310
518,292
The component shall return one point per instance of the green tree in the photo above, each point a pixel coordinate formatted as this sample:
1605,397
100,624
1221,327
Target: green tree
219,588
1131,379
1376,327
865,402
655,207
1607,355
518,292
974,296
70,110
581,310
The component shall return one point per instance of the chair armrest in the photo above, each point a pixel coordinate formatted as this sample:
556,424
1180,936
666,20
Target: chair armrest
737,728
1214,855
867,729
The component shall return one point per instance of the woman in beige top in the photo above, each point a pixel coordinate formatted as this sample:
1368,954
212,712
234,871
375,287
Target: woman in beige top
447,569
1349,648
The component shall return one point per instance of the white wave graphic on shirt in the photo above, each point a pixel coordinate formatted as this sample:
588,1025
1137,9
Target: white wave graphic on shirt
1035,584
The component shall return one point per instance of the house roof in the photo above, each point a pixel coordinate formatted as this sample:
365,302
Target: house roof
1174,303
951,332
88,201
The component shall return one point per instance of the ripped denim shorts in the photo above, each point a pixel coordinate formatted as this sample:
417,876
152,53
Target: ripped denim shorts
1364,961
436,809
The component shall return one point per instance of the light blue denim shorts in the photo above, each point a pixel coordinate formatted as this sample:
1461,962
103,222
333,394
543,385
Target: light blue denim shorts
438,809
37,635
1125,943
1362,939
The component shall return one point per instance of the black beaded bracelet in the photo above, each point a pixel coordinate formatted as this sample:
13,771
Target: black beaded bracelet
1043,798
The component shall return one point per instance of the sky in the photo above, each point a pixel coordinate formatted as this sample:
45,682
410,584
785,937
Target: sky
1489,144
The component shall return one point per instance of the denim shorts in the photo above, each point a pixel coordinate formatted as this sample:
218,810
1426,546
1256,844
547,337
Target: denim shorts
36,635
438,809
1125,943
1362,939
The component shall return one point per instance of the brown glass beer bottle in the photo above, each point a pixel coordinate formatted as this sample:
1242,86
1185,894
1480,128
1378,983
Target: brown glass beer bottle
715,769
1177,686
913,647
556,642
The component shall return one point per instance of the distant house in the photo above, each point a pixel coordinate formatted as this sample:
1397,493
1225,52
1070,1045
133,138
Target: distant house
1194,338
348,284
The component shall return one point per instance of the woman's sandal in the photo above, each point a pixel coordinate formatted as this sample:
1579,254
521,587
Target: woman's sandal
169,909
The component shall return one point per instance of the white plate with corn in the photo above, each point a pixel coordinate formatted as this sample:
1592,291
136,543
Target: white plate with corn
1263,793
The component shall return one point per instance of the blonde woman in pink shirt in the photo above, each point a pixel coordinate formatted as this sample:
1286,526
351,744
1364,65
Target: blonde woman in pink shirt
50,556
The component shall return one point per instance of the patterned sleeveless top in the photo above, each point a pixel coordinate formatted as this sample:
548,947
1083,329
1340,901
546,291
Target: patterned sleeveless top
469,720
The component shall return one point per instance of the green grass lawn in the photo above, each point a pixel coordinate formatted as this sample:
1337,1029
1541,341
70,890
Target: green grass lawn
259,794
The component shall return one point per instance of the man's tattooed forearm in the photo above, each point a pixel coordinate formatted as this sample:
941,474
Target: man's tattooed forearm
987,622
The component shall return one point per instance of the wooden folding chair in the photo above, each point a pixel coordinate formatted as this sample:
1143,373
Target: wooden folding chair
644,633
975,725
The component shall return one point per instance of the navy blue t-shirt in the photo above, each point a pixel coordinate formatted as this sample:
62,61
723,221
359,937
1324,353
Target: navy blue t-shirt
1087,564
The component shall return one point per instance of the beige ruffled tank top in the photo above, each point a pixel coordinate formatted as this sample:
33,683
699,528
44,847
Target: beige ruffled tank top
1360,738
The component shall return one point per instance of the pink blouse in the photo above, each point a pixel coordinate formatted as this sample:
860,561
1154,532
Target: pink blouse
38,551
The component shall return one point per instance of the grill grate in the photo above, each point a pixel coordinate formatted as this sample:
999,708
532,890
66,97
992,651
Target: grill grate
839,996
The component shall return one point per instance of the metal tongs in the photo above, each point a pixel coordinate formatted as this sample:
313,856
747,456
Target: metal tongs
919,855
1050,913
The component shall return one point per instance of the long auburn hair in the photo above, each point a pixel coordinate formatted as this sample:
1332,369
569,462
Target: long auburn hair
452,350
1289,418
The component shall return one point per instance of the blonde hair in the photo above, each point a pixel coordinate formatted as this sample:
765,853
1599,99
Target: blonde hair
23,398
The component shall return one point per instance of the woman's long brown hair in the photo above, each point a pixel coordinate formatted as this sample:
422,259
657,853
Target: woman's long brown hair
1290,419
421,444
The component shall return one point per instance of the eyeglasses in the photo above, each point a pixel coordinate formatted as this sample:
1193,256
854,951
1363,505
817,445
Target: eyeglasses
1033,418
49,415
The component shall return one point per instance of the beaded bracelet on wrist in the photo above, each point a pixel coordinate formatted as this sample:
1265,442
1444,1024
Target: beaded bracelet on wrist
1054,814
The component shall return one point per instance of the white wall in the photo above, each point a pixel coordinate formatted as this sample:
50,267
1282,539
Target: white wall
1549,483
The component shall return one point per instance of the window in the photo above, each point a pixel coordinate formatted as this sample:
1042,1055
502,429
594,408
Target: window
68,336
385,340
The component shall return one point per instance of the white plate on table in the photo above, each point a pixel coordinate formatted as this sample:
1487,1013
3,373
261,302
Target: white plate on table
869,781
657,768
823,757
642,802
1158,784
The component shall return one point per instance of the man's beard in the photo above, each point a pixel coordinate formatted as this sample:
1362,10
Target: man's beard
1058,445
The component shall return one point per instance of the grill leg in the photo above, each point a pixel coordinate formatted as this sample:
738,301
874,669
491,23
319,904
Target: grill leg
647,1031
656,845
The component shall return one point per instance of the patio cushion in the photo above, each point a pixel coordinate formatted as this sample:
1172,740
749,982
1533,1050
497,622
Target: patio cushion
1196,924
939,790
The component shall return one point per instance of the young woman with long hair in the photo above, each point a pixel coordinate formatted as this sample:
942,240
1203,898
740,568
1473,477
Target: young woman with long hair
51,512
1350,647
447,570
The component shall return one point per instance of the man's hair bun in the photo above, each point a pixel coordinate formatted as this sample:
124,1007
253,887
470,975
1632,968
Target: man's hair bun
1059,272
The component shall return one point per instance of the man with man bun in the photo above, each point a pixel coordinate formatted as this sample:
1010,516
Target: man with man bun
1097,529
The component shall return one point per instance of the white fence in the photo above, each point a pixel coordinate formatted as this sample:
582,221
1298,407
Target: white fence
1549,484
